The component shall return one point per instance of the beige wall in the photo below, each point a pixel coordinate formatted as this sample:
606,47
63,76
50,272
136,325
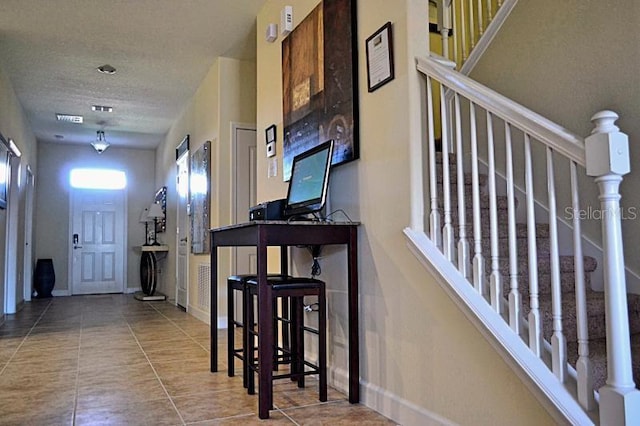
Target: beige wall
225,96
53,192
568,60
421,360
14,125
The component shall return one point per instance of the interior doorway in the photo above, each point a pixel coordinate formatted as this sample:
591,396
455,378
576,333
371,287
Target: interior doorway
97,241
244,185
182,219
27,273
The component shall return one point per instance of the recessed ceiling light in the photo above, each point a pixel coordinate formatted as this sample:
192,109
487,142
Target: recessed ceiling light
101,108
106,69
69,118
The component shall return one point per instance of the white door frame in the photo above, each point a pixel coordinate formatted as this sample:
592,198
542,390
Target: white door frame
11,237
184,154
234,179
27,273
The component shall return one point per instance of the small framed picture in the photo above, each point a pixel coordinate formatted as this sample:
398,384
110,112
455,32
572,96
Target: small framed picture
380,57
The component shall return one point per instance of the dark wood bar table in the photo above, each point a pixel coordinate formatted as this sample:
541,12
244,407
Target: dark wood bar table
263,234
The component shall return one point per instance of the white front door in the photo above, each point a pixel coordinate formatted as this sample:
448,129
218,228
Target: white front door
97,241
182,259
244,140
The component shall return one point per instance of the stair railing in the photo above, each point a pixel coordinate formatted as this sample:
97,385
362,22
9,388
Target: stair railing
467,27
469,125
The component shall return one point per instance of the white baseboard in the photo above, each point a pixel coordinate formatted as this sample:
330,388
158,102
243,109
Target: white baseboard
205,316
386,403
132,290
59,293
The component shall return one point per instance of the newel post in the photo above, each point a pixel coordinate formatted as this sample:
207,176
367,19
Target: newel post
607,155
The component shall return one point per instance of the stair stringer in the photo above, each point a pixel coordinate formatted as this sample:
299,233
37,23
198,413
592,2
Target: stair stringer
555,397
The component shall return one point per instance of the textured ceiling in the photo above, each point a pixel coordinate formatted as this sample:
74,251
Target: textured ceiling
162,49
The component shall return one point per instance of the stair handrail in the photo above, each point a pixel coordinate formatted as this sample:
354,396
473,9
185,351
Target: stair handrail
544,130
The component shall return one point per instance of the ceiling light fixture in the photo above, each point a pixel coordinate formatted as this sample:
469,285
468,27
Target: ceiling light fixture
100,144
106,69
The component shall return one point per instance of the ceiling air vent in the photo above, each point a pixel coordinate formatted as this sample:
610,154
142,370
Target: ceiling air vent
68,118
101,108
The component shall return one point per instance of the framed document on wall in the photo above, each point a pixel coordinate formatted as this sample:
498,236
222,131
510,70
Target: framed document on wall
380,57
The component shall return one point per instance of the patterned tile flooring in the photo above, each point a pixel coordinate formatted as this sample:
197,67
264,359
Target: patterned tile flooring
113,360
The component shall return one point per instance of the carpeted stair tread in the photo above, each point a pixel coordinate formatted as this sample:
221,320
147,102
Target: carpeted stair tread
467,179
485,201
522,246
595,315
566,264
567,284
598,357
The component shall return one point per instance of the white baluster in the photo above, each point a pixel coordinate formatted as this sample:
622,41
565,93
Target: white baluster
535,326
463,31
444,24
463,244
454,30
472,31
584,368
480,19
448,242
558,340
514,294
478,260
607,155
444,34
495,281
489,11
434,215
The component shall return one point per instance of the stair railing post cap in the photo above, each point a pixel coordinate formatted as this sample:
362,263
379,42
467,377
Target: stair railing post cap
607,148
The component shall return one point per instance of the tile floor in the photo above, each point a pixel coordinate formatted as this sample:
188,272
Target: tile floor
112,360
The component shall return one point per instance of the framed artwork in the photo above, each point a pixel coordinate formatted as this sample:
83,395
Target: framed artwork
4,171
200,198
320,83
380,58
161,198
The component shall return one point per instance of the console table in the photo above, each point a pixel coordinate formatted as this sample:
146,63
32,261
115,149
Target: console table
262,234
149,272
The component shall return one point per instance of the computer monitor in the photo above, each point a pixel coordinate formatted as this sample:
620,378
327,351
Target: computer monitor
309,181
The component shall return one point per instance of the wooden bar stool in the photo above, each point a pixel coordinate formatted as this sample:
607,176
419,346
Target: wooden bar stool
239,283
294,290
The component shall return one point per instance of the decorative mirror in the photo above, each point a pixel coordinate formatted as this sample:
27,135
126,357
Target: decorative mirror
161,198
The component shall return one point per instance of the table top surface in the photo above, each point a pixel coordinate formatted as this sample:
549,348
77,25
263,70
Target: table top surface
154,248
284,222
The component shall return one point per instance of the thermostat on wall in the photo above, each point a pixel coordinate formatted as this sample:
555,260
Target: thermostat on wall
270,138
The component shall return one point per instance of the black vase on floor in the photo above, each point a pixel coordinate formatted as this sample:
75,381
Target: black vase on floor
45,278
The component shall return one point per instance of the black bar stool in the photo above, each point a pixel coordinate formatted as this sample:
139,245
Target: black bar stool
239,283
294,290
